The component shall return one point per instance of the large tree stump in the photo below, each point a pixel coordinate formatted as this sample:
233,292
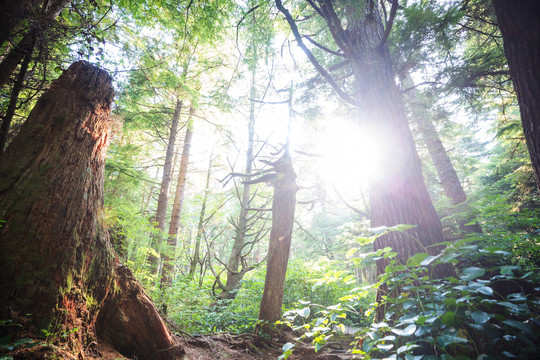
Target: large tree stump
56,260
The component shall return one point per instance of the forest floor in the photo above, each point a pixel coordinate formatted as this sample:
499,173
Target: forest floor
200,347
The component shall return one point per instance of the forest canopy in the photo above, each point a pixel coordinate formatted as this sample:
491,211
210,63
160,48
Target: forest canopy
302,179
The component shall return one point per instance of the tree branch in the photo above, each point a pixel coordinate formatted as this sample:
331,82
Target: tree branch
342,94
389,23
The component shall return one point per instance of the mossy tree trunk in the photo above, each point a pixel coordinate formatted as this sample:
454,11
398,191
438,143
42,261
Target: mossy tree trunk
56,260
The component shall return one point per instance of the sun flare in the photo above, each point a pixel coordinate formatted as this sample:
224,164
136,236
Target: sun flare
351,155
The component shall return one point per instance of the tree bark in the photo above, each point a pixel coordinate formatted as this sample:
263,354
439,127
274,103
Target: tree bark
56,259
234,276
50,10
520,28
168,266
12,12
200,227
163,199
167,170
10,112
398,194
283,207
443,165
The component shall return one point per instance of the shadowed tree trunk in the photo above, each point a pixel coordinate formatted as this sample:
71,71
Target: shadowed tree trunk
168,266
520,28
283,207
56,259
50,10
12,12
14,97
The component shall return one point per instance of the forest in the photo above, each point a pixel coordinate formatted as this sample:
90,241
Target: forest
269,179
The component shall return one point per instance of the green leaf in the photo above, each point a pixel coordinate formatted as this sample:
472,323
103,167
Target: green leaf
521,326
486,290
445,340
287,346
408,331
480,317
350,253
449,319
401,227
472,272
385,347
379,230
305,312
416,259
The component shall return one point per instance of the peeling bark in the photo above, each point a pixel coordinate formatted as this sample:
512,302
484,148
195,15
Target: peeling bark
56,259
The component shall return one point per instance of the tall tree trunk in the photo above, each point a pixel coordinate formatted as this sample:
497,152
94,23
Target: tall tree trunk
234,276
398,194
50,10
10,112
163,199
200,227
520,28
443,165
56,259
283,207
168,266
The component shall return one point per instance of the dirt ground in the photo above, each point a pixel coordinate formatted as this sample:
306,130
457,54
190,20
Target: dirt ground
199,347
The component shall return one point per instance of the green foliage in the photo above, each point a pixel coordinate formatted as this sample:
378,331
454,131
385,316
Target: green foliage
479,314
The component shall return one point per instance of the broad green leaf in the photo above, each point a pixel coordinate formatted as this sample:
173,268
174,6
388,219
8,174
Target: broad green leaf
472,272
350,253
449,319
385,347
480,317
521,326
445,340
407,347
305,312
287,346
408,331
401,227
416,259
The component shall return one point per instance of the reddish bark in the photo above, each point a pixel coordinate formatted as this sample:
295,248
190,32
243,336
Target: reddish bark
520,28
56,260
168,267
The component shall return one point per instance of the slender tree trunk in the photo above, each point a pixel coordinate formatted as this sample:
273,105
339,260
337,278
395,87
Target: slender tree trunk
200,228
443,165
163,199
51,9
234,276
168,266
283,207
520,28
10,112
56,259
